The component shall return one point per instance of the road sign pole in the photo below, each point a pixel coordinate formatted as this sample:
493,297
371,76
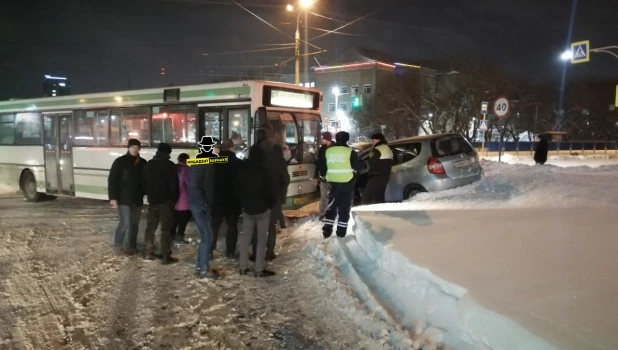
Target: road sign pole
501,110
483,137
483,128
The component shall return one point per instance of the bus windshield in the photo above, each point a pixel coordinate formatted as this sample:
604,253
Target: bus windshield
297,132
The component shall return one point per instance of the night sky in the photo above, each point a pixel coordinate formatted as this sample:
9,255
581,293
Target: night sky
114,45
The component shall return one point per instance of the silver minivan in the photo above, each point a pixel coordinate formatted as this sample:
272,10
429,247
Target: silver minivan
429,163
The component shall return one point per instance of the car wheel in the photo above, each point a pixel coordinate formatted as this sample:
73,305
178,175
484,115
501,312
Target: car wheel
28,187
412,190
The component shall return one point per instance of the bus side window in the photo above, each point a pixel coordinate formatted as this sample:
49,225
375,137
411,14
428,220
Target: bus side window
28,129
91,128
130,123
238,123
7,129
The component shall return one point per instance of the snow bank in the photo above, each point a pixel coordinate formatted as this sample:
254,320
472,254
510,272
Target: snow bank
423,301
520,186
438,309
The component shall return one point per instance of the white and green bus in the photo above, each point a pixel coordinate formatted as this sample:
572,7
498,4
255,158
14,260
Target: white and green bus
66,145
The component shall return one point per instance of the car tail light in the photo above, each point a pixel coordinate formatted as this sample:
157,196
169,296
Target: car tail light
434,166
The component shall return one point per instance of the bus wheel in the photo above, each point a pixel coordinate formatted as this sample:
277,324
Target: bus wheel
28,186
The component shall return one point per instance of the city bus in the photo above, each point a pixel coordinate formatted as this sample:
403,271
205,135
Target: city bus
65,145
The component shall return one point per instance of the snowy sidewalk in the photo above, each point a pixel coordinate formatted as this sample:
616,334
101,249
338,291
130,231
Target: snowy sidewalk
551,271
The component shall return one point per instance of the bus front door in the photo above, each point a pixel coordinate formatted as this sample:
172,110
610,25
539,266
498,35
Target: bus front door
58,154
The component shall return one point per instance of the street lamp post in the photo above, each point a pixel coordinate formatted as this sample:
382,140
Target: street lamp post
304,5
297,52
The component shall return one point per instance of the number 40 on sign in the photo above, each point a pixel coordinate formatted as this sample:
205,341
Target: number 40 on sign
501,107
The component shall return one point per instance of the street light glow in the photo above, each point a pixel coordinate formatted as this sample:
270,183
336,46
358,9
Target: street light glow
335,90
290,7
306,3
566,55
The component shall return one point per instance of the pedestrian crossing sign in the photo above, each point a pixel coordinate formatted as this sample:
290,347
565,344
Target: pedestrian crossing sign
580,51
483,126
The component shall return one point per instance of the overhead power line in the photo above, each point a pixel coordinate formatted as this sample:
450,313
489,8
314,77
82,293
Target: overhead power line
270,25
356,20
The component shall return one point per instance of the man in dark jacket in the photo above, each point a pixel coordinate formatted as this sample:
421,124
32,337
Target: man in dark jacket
380,165
125,193
339,165
319,178
201,200
257,198
160,181
272,166
540,153
281,190
226,201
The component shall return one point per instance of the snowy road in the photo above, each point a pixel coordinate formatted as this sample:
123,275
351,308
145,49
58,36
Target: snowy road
523,259
62,287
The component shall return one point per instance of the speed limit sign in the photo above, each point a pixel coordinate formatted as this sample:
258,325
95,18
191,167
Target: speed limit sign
501,106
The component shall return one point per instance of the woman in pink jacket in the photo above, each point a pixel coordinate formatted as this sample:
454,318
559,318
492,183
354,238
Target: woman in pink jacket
182,211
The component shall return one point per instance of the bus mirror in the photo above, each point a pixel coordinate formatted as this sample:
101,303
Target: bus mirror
260,116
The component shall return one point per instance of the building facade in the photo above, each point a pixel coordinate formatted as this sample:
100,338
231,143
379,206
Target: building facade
361,77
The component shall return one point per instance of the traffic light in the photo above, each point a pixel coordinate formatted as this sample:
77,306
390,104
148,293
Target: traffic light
356,102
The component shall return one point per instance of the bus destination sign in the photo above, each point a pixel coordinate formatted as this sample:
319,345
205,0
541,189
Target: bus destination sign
277,97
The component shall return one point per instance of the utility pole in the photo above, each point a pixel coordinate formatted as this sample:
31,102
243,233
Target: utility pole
297,55
306,49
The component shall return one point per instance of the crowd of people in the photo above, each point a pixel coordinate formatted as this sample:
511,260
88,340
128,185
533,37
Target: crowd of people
254,188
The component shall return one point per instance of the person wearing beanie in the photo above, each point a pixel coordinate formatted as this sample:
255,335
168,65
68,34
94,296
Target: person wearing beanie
319,179
339,164
125,192
160,182
380,165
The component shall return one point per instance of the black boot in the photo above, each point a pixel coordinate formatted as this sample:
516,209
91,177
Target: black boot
327,230
264,273
341,231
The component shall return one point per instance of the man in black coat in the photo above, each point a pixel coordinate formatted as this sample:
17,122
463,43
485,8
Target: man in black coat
380,165
320,179
125,192
257,200
540,154
282,177
160,182
226,201
272,164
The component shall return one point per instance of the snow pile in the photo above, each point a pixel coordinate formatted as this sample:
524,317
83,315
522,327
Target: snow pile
414,307
520,186
433,307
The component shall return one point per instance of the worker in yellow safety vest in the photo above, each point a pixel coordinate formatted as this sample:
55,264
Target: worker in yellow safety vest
380,165
339,165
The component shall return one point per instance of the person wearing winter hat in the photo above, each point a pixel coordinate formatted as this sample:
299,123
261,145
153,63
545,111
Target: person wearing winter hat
339,165
380,165
320,179
125,193
160,182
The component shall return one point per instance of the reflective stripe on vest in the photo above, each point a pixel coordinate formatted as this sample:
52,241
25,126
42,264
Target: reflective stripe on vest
339,168
385,152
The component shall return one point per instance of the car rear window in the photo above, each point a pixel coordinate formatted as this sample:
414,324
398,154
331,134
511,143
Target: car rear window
450,145
405,152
